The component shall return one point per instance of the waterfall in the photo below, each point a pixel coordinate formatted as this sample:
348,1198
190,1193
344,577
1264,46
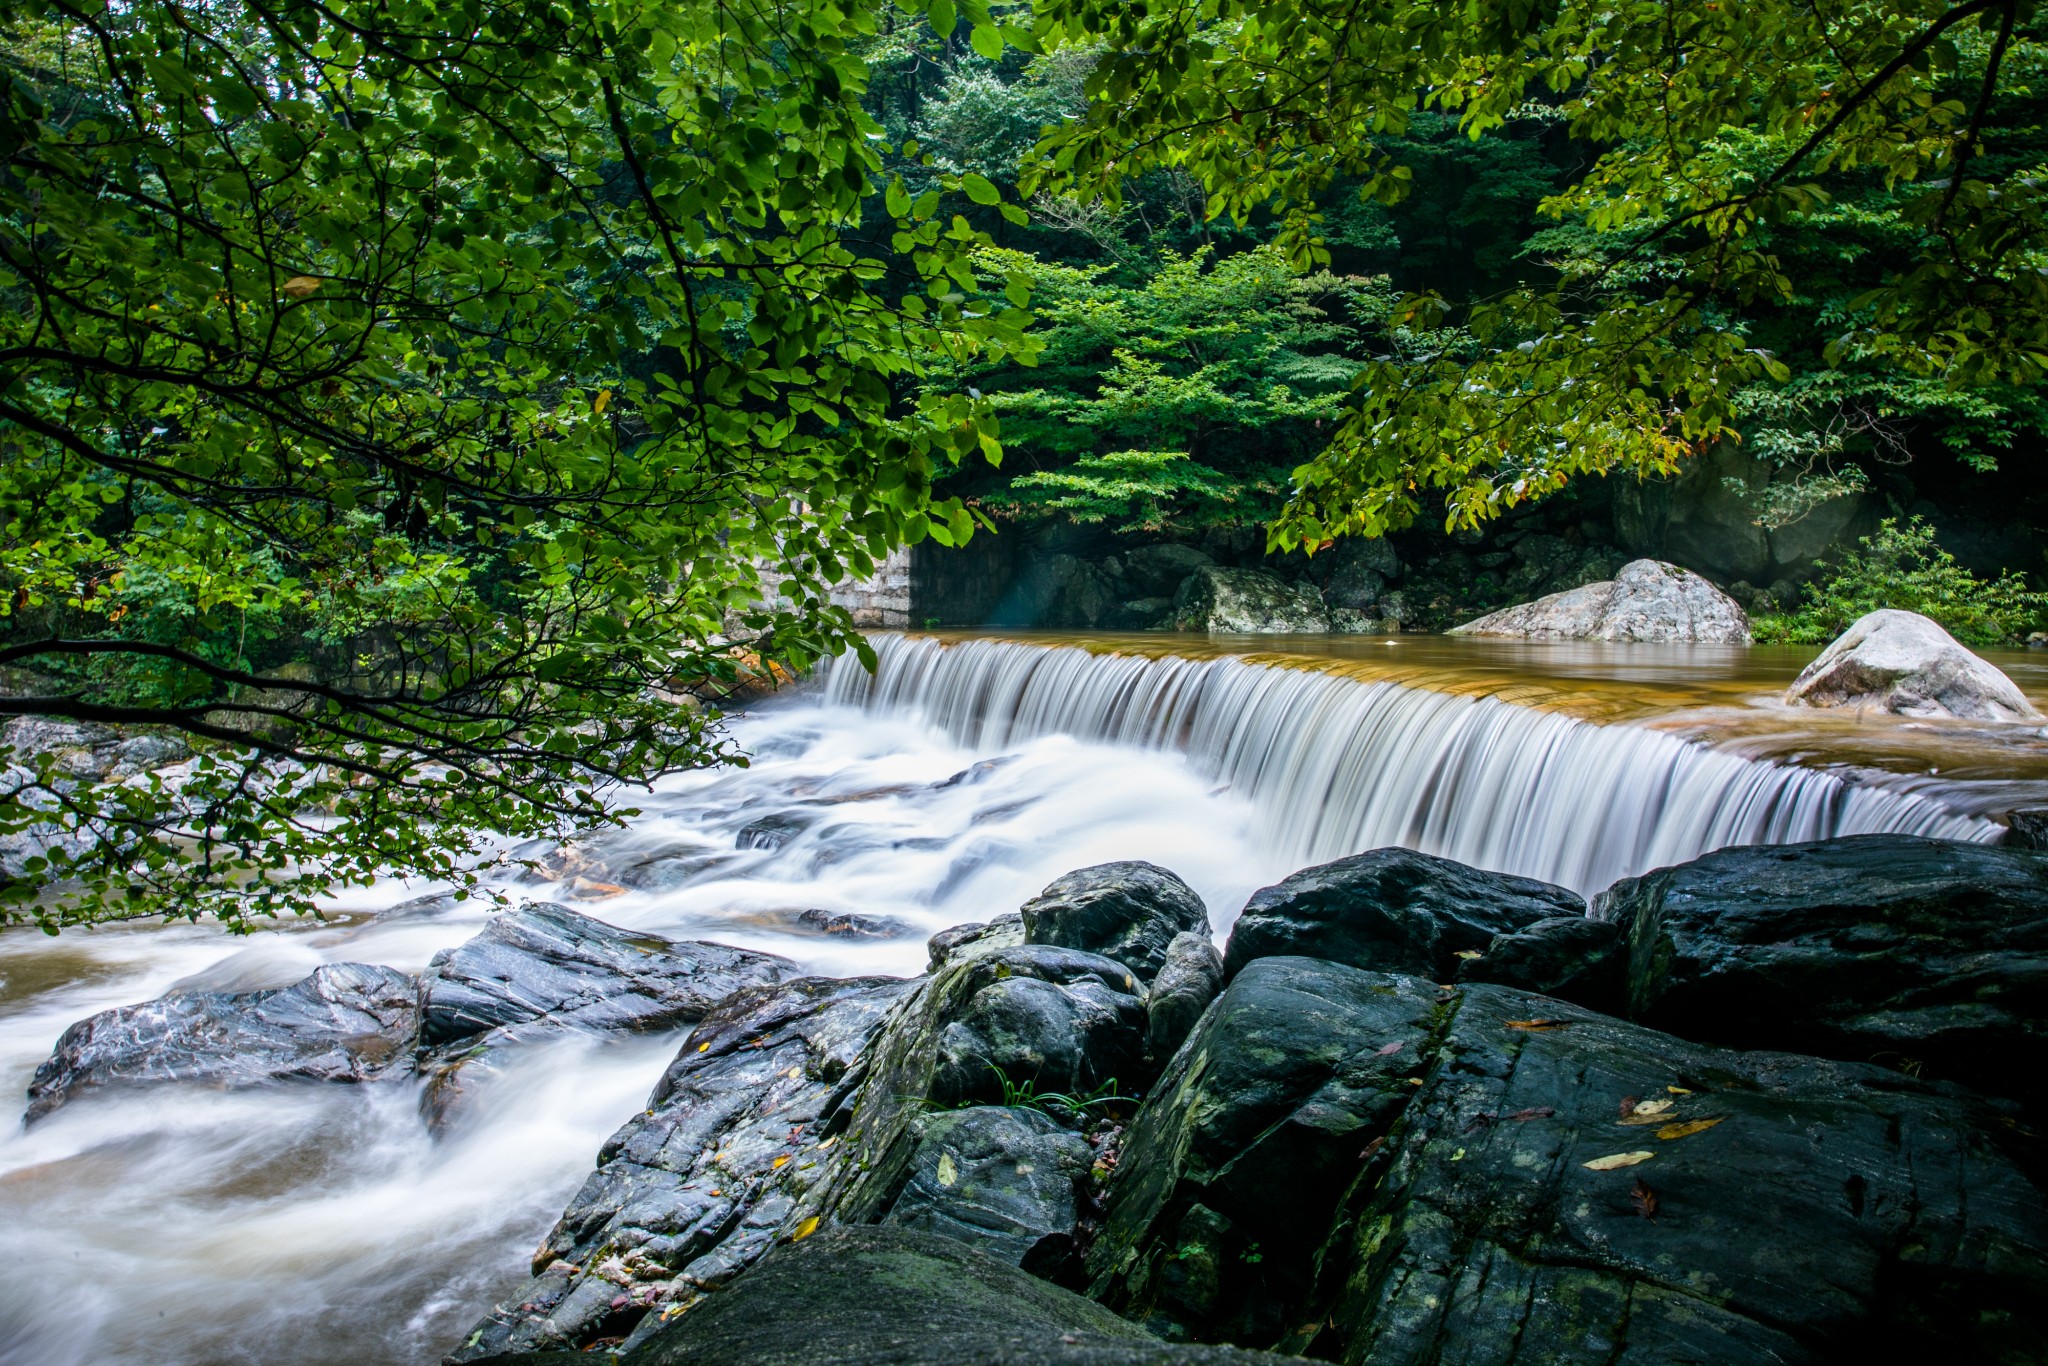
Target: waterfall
1335,765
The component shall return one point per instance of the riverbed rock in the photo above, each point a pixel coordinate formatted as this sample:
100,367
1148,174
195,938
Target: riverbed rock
1159,570
1576,957
1392,910
1921,953
1007,1179
697,1187
873,1295
1248,601
347,1022
1188,981
1006,931
543,961
1648,600
1904,663
1360,1166
1128,911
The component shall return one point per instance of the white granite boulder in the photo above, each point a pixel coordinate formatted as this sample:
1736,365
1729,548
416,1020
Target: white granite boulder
1905,663
1248,602
1648,600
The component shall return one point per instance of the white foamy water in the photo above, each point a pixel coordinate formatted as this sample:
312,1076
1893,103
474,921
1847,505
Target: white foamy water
179,1226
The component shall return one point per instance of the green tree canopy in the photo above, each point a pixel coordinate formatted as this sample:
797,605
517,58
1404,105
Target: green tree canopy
1710,133
392,394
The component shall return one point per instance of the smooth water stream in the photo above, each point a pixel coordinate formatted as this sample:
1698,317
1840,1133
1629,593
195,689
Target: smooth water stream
323,1224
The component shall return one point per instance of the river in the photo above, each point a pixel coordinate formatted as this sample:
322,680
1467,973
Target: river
324,1224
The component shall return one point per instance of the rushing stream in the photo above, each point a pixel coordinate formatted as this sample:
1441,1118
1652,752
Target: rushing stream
316,1224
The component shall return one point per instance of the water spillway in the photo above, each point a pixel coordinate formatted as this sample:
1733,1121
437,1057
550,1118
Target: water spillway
1335,765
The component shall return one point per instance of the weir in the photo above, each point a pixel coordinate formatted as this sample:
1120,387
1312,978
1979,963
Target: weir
1335,765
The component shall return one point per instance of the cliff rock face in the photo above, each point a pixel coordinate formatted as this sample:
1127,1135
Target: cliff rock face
1648,601
1902,662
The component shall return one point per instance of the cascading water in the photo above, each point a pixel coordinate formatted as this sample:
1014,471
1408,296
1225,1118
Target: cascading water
1335,766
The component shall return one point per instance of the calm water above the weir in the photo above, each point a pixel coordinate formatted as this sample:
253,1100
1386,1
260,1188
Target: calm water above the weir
323,1224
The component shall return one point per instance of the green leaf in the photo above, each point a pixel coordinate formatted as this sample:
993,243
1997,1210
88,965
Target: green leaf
979,189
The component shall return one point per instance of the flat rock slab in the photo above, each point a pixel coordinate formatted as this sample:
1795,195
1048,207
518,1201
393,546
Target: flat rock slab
1921,953
895,1297
1392,910
546,961
1648,601
1905,663
347,1022
1366,1168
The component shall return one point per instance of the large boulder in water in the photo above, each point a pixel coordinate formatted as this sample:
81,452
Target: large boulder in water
1921,953
1648,600
857,1296
1392,910
694,1189
1248,602
348,1022
544,961
1127,911
1359,1167
1905,663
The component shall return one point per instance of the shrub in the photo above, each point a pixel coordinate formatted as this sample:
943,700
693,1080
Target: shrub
1903,567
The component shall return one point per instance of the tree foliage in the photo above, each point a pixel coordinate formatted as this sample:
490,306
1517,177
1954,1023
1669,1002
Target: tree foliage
395,394
1904,567
1709,132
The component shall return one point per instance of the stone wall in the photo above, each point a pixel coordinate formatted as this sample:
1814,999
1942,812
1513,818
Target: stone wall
883,600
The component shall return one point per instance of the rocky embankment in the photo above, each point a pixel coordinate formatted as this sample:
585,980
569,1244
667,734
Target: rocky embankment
1780,1104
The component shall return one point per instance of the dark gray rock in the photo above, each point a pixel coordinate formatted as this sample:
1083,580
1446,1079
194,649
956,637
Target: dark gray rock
1575,957
1157,571
1006,1179
1127,911
1920,953
348,1022
546,961
1248,601
1360,1167
1392,910
849,925
687,1194
1006,931
1063,1021
897,1297
1189,980
2027,828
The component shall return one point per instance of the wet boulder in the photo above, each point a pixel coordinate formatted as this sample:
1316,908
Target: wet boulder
1248,601
1127,911
854,1296
1188,981
347,1022
1648,600
1007,1179
1921,953
1904,663
1361,1167
1576,957
1158,571
546,962
1393,910
979,1031
691,1191
1006,931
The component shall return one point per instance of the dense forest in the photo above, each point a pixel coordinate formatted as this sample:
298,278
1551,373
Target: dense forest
402,402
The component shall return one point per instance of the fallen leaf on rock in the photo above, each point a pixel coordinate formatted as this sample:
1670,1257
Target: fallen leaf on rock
1537,1026
1628,1106
1372,1148
1678,1090
805,1229
1614,1160
1533,1112
1687,1129
1389,1051
780,1160
1470,953
1643,1198
1653,1107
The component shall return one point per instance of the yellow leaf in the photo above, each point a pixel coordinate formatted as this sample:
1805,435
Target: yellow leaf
1470,953
1687,1129
947,1173
1653,1107
1614,1160
299,286
1537,1026
1678,1090
704,1047
604,396
805,1229
779,1161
